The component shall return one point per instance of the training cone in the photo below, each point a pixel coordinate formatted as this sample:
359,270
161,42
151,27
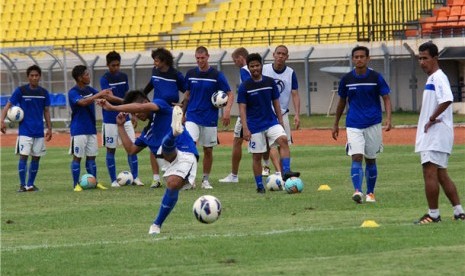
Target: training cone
324,188
369,224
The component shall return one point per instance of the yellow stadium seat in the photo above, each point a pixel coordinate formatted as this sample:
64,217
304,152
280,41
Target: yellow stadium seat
197,26
294,21
230,25
208,26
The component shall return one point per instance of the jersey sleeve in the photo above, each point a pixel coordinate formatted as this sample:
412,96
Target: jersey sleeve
47,98
383,86
104,83
245,75
15,98
223,83
275,94
74,96
181,82
443,91
342,89
241,94
295,83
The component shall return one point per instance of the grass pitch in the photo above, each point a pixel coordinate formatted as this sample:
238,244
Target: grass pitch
60,232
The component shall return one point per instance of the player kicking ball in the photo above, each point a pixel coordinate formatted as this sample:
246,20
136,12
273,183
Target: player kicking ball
166,138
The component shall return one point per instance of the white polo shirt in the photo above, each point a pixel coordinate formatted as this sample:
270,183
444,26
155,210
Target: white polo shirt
440,136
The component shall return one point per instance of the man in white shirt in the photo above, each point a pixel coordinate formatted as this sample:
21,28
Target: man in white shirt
435,136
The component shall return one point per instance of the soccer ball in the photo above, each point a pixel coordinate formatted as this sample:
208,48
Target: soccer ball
294,185
88,181
15,114
219,99
274,182
124,178
207,209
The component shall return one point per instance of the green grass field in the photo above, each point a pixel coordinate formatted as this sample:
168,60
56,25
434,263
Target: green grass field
60,232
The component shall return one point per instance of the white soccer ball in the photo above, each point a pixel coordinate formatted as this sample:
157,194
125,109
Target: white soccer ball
207,209
15,114
219,99
124,178
274,182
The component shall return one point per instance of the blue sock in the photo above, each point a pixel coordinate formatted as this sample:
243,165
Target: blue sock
259,182
22,164
371,173
75,172
167,204
33,168
91,167
133,165
169,143
356,174
111,166
286,164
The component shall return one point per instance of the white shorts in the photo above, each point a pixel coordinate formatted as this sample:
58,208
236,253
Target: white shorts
184,166
441,159
287,128
258,141
26,145
84,145
110,137
367,141
238,128
205,136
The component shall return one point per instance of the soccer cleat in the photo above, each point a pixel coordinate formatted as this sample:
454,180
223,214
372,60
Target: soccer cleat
22,189
206,185
370,198
188,186
155,184
229,179
266,171
154,229
101,187
176,121
261,190
428,219
115,184
78,188
137,182
357,197
32,188
290,174
459,216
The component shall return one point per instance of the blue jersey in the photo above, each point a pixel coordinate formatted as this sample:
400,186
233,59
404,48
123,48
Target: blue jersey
166,85
33,103
363,92
245,73
159,125
119,85
258,97
82,117
202,85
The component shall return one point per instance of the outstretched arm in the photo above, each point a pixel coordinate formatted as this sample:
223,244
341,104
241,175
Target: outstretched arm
128,145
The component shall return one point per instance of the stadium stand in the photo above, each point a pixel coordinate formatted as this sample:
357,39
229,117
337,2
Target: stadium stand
124,25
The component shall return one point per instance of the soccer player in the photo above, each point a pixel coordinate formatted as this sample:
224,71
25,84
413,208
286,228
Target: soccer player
201,116
165,136
286,81
261,125
35,102
362,88
239,57
83,127
166,83
435,136
117,81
